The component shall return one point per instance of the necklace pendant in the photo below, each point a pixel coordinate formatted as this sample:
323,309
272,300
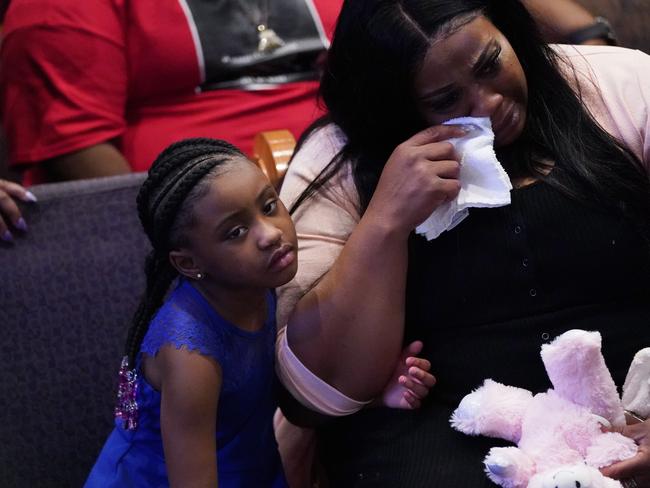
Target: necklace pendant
269,41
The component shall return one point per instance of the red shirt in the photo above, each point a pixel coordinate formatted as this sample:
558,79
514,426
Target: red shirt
142,73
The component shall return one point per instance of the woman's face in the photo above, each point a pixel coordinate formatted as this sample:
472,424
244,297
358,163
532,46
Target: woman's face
474,72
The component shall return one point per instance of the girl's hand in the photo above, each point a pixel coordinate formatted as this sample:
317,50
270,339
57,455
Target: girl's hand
410,382
421,174
10,217
638,467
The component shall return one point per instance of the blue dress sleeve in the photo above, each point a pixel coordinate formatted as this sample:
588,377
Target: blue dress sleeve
185,320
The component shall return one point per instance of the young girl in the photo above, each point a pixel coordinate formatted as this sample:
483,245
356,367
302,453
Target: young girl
198,377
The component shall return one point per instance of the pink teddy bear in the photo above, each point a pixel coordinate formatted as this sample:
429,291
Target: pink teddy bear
559,433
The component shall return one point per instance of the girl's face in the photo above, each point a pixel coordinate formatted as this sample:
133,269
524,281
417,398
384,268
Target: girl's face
243,236
474,72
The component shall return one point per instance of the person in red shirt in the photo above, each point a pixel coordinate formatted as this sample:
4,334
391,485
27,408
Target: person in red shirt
91,89
99,88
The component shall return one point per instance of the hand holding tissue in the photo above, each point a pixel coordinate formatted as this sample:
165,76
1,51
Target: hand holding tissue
484,182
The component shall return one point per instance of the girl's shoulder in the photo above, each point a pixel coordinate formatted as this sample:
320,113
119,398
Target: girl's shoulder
187,320
184,320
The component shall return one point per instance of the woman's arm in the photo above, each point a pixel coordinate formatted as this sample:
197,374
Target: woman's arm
65,95
99,160
190,385
559,20
348,329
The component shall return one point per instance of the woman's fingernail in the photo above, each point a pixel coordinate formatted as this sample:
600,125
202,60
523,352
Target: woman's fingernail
7,237
21,224
30,197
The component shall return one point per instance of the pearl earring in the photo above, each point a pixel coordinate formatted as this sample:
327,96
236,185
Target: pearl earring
199,276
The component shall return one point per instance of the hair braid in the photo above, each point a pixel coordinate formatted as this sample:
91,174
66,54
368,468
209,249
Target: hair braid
159,275
171,160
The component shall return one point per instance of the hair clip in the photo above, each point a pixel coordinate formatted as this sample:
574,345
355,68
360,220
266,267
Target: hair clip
127,390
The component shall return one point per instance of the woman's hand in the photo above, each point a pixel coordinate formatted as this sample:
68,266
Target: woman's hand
421,174
638,467
10,217
410,382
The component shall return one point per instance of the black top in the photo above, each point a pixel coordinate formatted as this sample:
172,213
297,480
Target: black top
230,52
484,297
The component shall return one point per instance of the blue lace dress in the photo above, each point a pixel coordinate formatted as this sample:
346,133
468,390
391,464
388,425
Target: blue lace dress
247,454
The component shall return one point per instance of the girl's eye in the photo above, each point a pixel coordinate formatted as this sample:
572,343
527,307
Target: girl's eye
270,207
236,232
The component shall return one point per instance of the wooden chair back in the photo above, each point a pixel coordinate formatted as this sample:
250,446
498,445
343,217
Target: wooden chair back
272,151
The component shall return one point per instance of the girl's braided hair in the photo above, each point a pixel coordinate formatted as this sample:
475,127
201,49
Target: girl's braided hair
176,180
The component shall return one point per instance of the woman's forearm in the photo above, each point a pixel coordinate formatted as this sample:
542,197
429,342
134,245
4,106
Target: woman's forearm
348,330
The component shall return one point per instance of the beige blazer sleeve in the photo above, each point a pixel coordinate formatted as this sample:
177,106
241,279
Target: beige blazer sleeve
615,85
324,222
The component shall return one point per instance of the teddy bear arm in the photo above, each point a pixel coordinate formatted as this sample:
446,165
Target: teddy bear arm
509,467
493,410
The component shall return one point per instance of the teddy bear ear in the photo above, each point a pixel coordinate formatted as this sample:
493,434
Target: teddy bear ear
576,367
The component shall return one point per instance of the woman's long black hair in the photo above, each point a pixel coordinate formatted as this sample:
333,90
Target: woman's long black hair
177,179
367,87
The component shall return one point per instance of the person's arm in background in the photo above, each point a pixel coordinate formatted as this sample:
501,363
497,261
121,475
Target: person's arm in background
63,87
560,21
96,161
102,159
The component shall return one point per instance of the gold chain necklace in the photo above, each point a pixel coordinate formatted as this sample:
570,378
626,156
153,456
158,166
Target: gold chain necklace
268,40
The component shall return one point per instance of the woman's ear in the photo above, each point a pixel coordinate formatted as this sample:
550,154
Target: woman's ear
183,261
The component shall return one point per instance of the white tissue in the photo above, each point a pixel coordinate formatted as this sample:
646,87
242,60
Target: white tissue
483,181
